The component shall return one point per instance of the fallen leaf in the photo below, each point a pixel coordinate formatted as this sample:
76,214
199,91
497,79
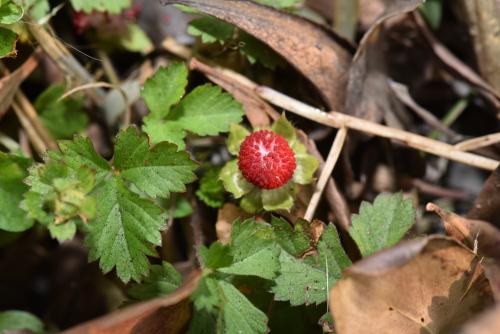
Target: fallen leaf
474,233
317,53
492,272
487,205
487,323
168,314
428,285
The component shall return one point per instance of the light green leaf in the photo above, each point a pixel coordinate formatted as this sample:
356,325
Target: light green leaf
252,202
233,180
37,9
237,135
13,170
63,118
13,321
284,128
383,223
160,131
279,3
210,29
10,12
253,249
161,281
8,40
278,199
306,167
156,171
211,191
136,40
165,88
62,232
124,231
111,6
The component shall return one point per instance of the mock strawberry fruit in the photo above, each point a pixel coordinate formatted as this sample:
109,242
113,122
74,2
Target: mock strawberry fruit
266,160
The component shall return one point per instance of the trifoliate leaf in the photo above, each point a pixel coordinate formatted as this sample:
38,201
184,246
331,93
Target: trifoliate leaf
254,250
278,199
165,88
233,180
16,321
161,281
10,12
237,135
13,170
204,111
136,40
308,280
383,223
111,6
210,29
156,171
62,118
8,40
211,191
217,256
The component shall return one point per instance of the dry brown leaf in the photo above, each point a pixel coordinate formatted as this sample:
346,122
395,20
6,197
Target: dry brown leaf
487,205
474,233
492,272
368,91
487,323
428,285
169,314
316,52
10,83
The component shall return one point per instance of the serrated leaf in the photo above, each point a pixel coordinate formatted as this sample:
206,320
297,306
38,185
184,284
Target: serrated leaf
253,249
217,256
161,281
308,280
124,231
111,6
10,12
62,232
233,180
157,171
383,223
15,321
211,191
8,40
63,118
136,40
237,135
278,199
13,170
294,240
165,88
210,29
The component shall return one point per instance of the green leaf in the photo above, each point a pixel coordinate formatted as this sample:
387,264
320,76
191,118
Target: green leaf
165,88
383,223
210,29
211,191
217,256
8,40
233,180
124,231
278,199
308,280
63,232
294,240
37,9
279,3
252,202
306,167
12,321
136,40
257,51
237,135
161,281
156,171
432,10
284,128
13,170
62,118
182,208
111,6
253,249
10,12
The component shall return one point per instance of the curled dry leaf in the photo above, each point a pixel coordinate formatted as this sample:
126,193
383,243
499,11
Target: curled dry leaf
486,323
429,285
487,205
317,53
169,314
471,232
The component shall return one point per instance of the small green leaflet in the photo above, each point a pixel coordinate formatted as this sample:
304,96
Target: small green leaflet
10,12
13,170
62,118
15,321
111,6
211,191
127,224
8,40
383,223
204,111
217,256
136,40
161,281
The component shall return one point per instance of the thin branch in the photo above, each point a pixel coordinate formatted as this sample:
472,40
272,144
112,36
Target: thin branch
478,142
331,160
91,85
32,134
338,120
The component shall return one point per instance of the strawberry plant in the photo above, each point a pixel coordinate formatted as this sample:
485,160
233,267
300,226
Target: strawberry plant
214,166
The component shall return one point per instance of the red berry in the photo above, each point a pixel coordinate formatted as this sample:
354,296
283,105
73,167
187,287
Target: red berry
266,160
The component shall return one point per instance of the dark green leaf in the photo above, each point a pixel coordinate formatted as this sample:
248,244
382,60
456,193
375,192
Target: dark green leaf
161,281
